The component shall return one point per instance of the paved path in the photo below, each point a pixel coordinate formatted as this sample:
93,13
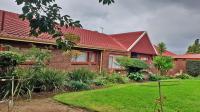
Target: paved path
40,105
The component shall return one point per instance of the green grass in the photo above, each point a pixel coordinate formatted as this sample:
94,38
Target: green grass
181,95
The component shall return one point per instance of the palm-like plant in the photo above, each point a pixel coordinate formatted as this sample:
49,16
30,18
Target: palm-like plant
161,48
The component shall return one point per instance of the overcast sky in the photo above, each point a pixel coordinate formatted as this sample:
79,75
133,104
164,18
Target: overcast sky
175,22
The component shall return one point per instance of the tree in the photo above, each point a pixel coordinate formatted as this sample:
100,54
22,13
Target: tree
163,63
194,48
44,17
161,48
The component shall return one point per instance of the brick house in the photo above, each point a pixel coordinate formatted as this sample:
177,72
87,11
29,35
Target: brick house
179,61
99,51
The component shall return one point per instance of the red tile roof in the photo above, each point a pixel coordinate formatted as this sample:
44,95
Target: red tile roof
144,46
187,56
166,53
138,42
127,39
12,28
180,56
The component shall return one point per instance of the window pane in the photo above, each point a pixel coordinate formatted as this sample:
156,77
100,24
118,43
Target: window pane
113,62
92,56
81,58
110,61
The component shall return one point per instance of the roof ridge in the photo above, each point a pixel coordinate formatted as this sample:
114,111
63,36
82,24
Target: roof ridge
126,33
119,43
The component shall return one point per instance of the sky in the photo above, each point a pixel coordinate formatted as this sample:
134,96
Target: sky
174,22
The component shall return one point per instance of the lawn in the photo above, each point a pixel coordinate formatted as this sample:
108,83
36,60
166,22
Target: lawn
181,96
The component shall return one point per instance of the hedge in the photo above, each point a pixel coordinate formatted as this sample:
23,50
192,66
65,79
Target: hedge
193,67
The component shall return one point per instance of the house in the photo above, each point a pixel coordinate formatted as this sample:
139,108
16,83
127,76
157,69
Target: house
179,61
98,51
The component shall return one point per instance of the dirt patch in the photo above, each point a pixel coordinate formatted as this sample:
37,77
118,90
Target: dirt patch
40,105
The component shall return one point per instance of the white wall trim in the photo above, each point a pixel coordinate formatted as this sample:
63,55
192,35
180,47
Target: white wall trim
140,37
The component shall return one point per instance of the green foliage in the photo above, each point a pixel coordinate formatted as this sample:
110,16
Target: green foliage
155,77
30,81
117,78
194,48
136,76
77,85
193,67
67,42
132,64
39,56
161,48
81,75
163,63
43,15
48,79
184,76
8,61
100,81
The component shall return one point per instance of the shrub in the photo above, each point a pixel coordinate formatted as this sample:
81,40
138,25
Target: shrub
136,76
77,85
193,67
8,61
117,78
43,80
184,76
81,75
49,80
132,64
100,81
163,63
154,77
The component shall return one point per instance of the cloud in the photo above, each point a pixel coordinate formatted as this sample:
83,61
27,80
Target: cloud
175,22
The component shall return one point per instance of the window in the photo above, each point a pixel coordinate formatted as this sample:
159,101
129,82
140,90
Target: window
85,57
113,62
144,58
92,57
81,58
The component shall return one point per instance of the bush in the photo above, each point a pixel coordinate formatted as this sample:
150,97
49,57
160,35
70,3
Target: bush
184,76
44,80
136,76
100,81
154,77
163,63
117,78
132,64
193,67
49,80
81,75
77,85
8,61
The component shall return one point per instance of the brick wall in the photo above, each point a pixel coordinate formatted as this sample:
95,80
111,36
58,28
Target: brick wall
63,62
105,62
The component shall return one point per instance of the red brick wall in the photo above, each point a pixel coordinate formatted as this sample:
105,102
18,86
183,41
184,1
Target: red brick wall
105,62
63,62
179,67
